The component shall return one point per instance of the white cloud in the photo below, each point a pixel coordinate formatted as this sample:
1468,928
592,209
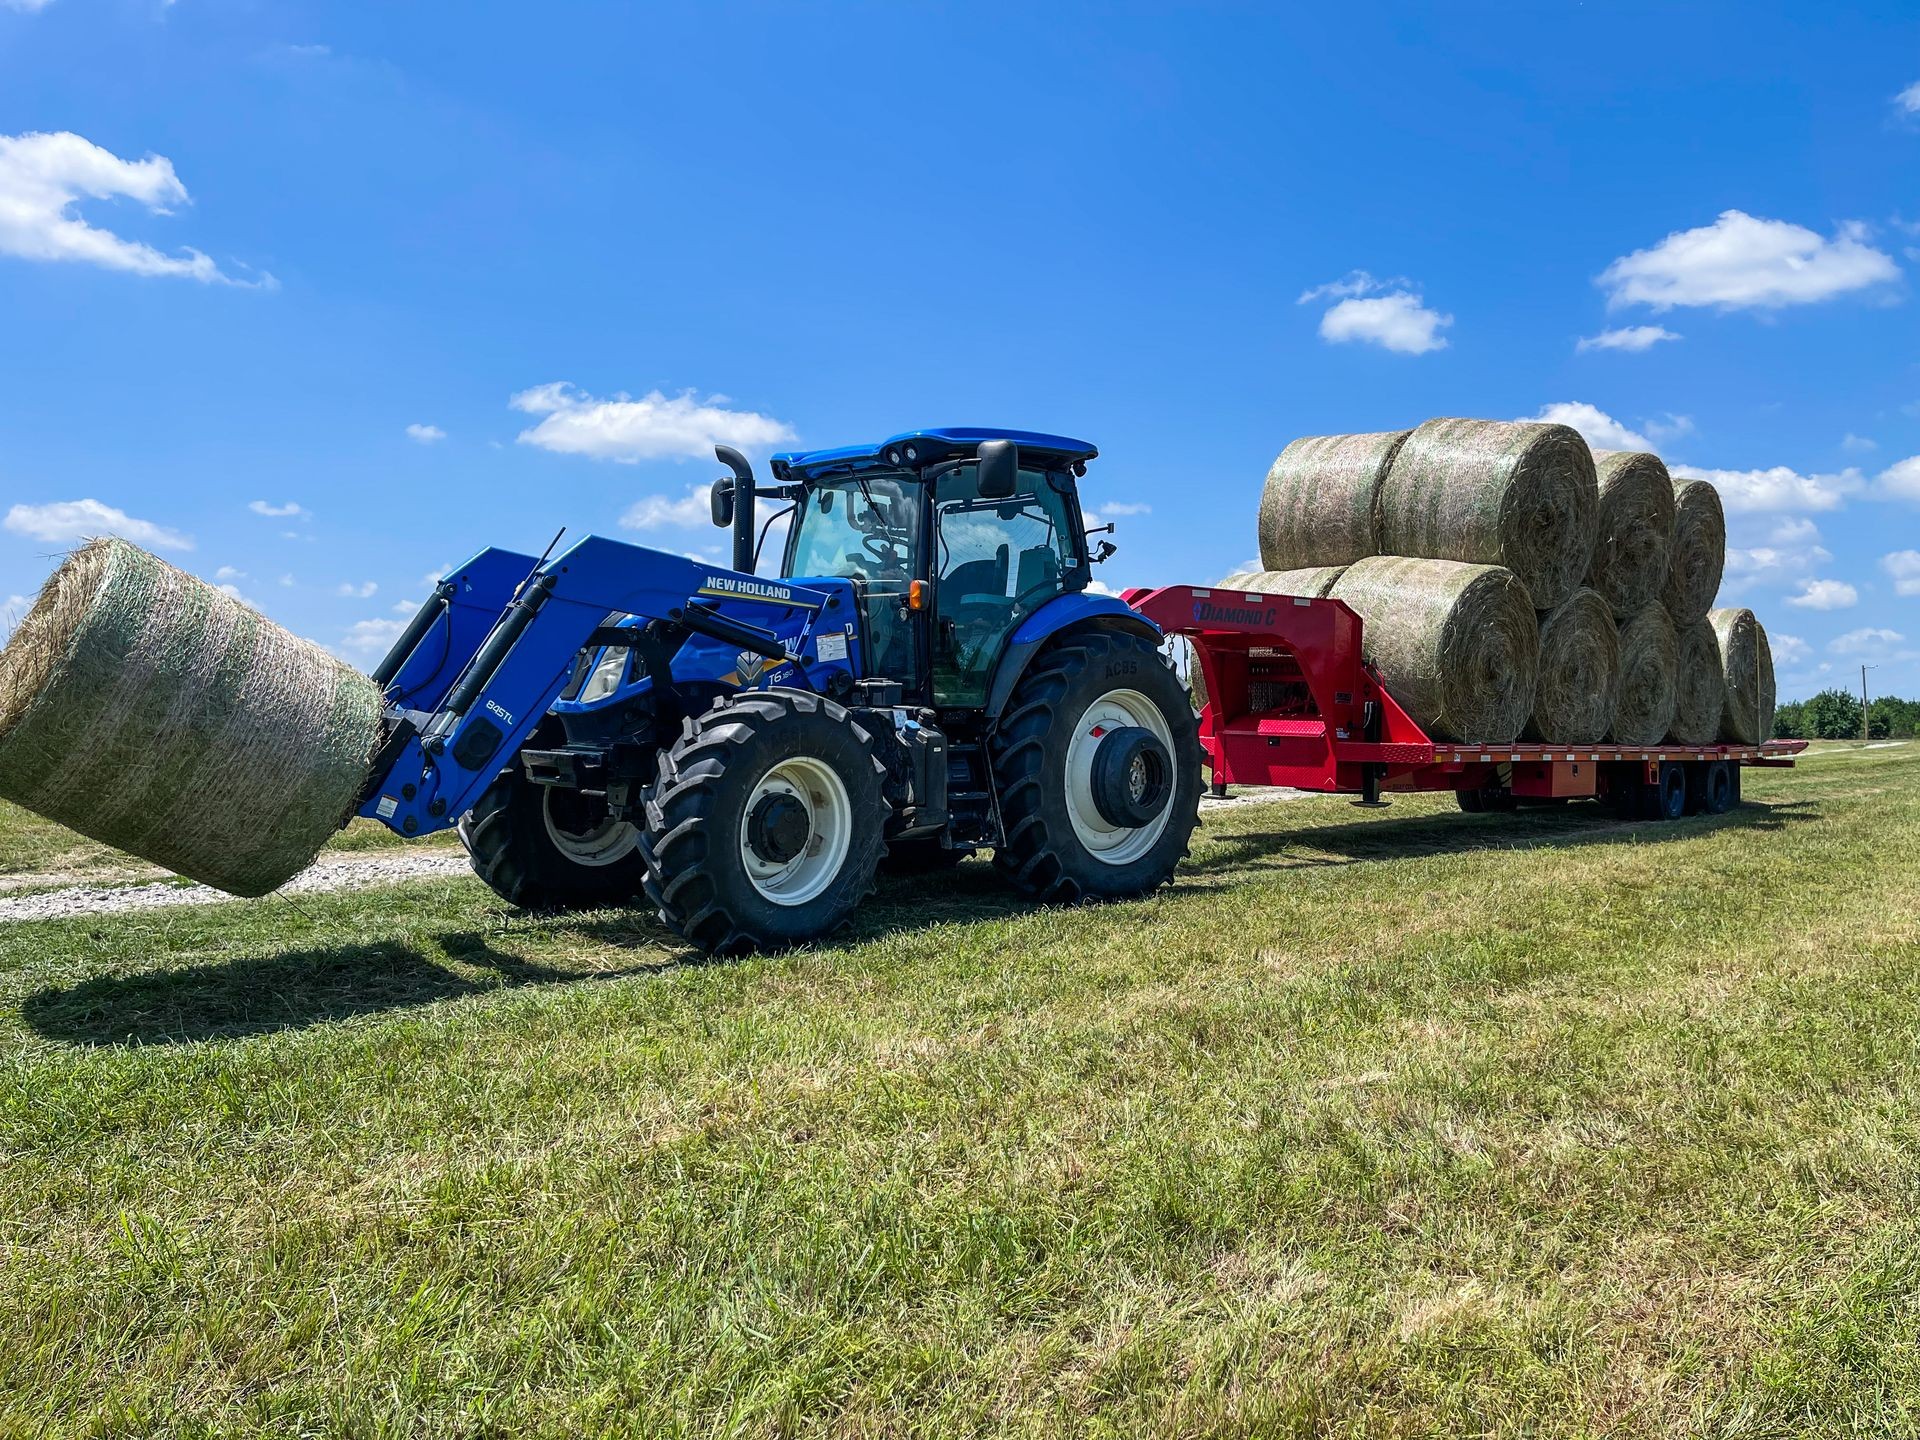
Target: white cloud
1602,431
1778,488
1743,262
1901,480
12,611
1126,507
280,512
1908,99
425,434
1872,640
653,427
1669,426
1904,567
233,591
228,572
1856,444
362,591
1398,322
1788,649
658,512
1824,595
287,581
1353,283
66,520
1633,338
370,637
29,6
43,177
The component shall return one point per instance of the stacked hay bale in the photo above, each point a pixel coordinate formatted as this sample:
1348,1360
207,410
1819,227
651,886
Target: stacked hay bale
148,710
1746,715
1618,561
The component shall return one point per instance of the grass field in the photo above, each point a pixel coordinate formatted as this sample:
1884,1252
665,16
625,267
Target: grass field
1377,1123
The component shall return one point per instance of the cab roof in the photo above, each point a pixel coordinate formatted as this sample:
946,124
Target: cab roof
919,448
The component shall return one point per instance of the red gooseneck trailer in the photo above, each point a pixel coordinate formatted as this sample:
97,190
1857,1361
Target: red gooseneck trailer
1292,700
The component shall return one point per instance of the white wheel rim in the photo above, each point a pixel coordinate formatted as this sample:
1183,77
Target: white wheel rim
606,843
1109,843
820,792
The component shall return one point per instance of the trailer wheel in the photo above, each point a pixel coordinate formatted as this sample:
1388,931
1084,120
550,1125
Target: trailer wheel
765,825
1667,798
543,848
1488,800
1097,761
1716,787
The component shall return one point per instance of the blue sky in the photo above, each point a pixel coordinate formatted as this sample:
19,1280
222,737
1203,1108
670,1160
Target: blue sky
318,299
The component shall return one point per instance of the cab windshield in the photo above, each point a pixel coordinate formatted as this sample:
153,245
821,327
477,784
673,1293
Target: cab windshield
866,528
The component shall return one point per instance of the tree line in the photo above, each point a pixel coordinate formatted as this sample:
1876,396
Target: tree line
1835,715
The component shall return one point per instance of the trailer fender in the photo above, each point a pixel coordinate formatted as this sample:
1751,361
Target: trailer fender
1064,614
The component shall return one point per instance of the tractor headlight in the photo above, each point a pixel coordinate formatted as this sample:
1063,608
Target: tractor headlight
606,676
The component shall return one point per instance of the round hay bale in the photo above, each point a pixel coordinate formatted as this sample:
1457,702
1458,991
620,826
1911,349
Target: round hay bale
149,711
1634,541
1746,714
1649,658
1700,685
1491,492
1699,551
1457,645
1318,504
1311,583
1579,673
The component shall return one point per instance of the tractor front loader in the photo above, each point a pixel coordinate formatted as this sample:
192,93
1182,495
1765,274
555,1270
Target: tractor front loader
930,677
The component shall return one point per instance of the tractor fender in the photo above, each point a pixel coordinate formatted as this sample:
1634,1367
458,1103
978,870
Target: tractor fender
1074,611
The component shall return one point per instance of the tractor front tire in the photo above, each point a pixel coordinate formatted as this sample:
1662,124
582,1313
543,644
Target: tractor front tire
1097,761
766,823
545,849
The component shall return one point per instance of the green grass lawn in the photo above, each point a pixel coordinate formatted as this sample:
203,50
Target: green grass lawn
1376,1123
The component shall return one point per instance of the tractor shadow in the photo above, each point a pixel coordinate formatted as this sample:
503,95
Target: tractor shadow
1542,827
293,990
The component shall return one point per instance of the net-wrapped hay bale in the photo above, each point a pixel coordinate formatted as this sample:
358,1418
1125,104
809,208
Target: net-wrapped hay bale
1318,504
1489,492
1633,542
1649,658
149,711
1699,551
1311,583
1458,645
1700,685
1746,714
1579,673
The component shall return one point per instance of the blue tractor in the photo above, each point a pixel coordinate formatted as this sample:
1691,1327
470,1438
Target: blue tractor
931,675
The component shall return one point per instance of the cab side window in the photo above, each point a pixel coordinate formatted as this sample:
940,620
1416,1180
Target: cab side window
995,563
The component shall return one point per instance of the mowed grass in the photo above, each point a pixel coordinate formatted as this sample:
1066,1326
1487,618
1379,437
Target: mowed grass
1376,1123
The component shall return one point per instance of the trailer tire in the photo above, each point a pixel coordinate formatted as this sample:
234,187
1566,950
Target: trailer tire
1716,787
523,840
1666,798
1060,842
765,826
1488,800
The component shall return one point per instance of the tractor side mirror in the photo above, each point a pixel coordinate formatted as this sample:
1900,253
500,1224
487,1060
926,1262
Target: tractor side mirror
720,501
999,468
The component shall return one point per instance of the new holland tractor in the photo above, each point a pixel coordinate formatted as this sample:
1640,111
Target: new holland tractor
930,675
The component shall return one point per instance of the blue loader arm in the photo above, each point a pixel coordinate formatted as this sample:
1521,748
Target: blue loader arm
468,694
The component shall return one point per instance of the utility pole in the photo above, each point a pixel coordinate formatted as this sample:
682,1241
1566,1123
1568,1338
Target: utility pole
1866,732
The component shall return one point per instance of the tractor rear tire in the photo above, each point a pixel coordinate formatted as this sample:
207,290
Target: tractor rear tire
546,849
1078,822
765,826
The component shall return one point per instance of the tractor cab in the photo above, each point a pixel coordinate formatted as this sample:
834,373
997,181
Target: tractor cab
951,538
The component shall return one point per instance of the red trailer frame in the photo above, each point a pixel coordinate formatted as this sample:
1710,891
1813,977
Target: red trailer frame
1292,700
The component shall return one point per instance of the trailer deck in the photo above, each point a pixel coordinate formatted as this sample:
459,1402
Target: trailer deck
1291,700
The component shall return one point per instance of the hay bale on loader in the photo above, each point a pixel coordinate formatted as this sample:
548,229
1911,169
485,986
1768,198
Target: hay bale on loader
1700,685
1649,658
1521,495
1458,645
1634,535
1746,715
1579,681
149,711
1317,507
1699,551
